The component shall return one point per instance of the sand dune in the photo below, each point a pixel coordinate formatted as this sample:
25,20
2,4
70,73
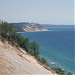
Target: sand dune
18,62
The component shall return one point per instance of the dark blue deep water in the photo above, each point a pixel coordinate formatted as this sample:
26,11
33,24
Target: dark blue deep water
56,45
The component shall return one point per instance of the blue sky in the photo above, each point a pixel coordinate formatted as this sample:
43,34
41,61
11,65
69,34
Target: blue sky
39,11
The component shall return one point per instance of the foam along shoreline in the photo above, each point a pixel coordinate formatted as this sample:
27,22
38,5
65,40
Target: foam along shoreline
14,62
35,31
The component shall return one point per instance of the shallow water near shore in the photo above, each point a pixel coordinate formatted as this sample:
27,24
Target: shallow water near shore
56,45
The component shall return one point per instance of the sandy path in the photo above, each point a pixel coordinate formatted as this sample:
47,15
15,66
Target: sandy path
16,62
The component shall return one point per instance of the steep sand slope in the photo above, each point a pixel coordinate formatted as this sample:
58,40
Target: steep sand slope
18,62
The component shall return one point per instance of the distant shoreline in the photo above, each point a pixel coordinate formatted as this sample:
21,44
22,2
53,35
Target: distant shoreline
35,31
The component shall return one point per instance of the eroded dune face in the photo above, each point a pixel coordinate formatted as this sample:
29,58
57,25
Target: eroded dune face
18,62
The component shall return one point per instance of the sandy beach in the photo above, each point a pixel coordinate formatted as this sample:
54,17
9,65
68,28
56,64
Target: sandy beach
18,62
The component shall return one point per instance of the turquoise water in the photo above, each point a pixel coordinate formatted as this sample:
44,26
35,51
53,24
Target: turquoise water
57,46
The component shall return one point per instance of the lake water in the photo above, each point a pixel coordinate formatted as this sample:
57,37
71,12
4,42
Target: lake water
56,45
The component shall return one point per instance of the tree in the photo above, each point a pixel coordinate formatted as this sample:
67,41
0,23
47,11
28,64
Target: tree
35,49
58,71
7,30
43,61
12,32
26,44
4,29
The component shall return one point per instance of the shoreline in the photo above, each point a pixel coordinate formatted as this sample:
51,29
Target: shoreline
18,58
34,31
52,64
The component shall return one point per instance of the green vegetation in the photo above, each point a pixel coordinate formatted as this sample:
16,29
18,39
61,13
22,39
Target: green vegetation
34,49
58,71
9,33
43,60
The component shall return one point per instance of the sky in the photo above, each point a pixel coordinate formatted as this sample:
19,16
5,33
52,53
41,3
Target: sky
38,11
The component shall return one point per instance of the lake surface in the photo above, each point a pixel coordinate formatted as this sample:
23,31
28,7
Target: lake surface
56,45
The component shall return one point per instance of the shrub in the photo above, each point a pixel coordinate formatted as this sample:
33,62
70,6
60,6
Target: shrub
58,71
43,60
